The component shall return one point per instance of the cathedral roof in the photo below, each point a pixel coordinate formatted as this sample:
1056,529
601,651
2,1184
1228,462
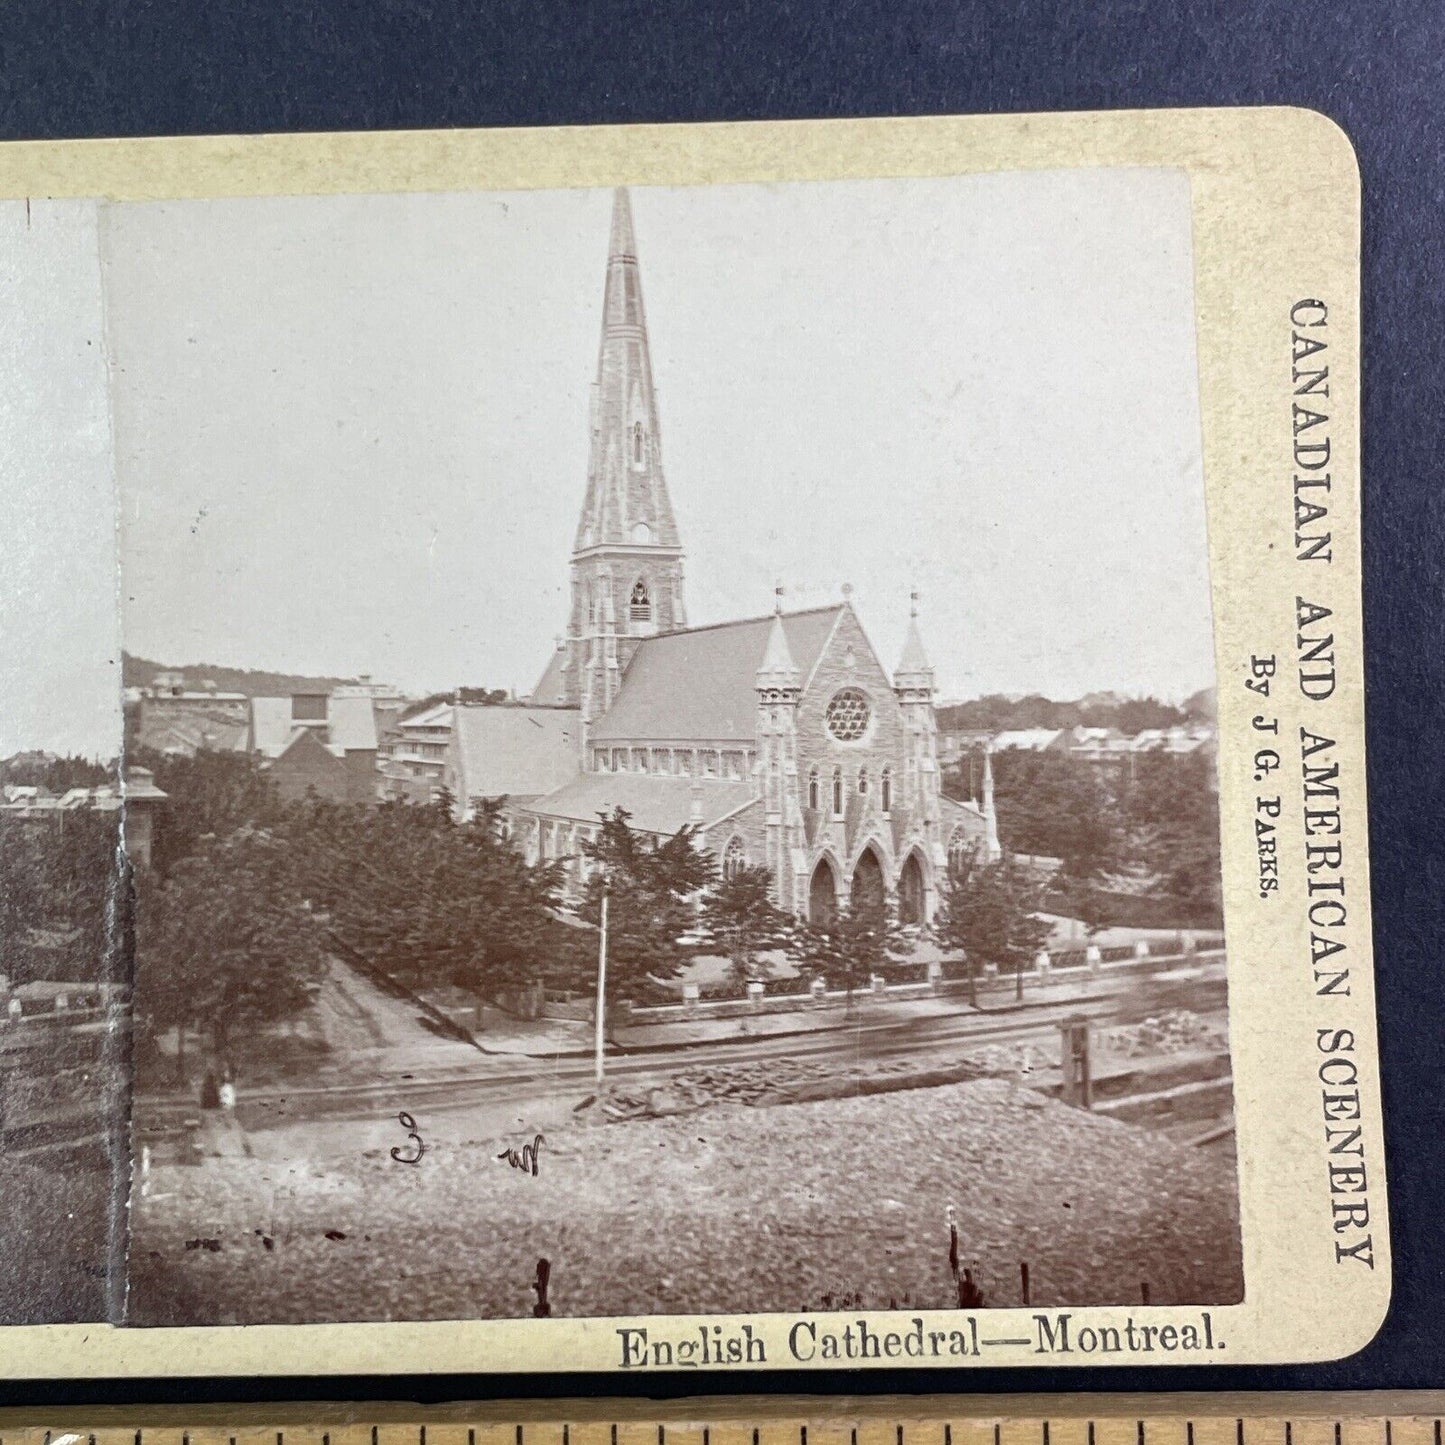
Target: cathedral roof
515,751
551,688
700,685
657,804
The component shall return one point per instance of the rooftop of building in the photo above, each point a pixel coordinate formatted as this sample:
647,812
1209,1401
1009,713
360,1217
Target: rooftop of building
658,805
515,751
699,684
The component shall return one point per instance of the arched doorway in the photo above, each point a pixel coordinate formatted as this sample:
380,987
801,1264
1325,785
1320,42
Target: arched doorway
822,894
869,893
910,891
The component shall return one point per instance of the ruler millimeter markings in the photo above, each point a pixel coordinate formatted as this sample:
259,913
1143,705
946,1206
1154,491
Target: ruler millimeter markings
1404,1419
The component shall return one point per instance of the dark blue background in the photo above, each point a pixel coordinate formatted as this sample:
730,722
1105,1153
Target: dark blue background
158,67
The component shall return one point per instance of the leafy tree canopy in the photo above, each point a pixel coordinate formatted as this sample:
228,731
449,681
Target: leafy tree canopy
740,919
651,886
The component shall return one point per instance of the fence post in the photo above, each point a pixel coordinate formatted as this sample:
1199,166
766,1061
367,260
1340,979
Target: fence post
1075,1047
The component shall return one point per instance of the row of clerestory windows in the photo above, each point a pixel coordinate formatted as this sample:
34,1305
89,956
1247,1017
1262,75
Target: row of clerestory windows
885,789
734,766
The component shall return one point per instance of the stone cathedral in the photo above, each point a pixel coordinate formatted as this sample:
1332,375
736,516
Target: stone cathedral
781,739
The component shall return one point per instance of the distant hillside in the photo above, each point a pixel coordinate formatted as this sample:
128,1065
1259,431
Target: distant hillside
1098,710
141,672
1203,706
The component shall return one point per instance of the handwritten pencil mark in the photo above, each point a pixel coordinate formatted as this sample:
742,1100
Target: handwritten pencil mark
526,1157
409,1124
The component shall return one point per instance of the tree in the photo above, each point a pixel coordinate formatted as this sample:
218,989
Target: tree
445,803
54,774
991,912
1169,813
1054,805
208,796
740,919
651,888
428,900
847,948
63,890
227,943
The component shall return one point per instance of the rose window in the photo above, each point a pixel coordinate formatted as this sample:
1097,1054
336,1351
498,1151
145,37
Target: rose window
847,715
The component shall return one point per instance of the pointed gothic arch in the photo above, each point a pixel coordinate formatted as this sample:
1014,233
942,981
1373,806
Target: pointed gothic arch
814,788
870,890
823,892
837,792
885,790
912,890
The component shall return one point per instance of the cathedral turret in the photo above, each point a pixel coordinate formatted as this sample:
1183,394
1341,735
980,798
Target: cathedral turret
778,677
913,673
913,686
779,685
627,556
991,849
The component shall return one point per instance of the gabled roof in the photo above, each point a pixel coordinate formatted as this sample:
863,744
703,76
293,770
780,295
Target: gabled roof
350,725
700,685
550,690
515,751
658,805
438,715
305,740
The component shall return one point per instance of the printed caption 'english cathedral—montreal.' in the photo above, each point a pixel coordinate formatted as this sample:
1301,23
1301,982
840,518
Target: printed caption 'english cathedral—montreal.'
780,739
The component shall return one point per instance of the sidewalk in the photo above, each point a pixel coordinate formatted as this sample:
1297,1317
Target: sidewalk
870,1011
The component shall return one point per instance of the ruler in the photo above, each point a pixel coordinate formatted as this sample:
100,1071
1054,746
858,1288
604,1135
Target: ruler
1398,1418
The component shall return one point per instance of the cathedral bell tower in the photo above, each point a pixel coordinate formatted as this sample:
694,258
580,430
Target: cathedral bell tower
627,557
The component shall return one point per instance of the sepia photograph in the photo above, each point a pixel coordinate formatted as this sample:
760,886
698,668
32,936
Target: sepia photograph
748,759
686,806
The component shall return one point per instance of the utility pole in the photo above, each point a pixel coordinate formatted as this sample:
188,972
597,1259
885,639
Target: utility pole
601,981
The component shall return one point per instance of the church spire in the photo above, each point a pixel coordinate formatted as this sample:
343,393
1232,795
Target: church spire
913,671
777,671
627,501
627,556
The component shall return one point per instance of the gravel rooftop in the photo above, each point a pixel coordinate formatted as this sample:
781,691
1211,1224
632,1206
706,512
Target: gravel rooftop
739,1209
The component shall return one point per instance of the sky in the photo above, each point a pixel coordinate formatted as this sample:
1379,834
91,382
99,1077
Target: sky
59,630
350,433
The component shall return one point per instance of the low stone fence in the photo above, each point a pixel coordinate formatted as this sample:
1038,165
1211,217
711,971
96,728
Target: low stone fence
943,976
